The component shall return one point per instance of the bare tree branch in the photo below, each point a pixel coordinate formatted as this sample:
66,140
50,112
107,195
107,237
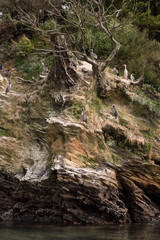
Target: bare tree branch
76,14
140,80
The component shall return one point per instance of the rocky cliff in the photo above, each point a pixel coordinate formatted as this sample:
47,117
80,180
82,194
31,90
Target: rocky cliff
55,168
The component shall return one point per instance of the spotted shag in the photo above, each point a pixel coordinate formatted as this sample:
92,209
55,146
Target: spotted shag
125,71
84,117
115,112
93,55
132,77
116,71
8,87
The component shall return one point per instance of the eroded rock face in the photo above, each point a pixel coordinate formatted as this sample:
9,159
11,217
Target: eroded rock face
54,168
72,195
141,189
68,195
78,143
92,195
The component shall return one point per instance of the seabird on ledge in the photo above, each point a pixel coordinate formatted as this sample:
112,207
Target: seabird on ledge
84,117
93,55
125,71
8,87
115,112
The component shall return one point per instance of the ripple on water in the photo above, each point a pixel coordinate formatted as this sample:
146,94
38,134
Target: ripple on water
109,232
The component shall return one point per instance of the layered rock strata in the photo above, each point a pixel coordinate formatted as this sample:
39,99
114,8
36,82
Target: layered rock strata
71,195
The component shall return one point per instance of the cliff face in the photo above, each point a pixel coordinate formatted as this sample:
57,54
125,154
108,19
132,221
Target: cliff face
56,168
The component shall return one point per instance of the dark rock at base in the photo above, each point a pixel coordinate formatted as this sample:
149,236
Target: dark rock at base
76,196
83,196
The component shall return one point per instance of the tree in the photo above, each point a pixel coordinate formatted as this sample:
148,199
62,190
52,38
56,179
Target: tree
93,13
148,17
75,16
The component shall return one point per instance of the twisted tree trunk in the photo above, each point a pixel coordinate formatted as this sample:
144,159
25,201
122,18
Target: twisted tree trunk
62,73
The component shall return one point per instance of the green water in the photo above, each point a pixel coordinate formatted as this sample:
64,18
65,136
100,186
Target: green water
111,232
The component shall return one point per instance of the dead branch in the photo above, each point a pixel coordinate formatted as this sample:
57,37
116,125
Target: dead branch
59,98
70,79
140,80
25,80
76,16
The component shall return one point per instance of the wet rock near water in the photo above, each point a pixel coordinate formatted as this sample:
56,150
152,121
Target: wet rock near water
141,189
82,196
68,196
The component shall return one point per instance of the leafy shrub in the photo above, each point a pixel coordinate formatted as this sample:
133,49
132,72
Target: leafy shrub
88,39
135,49
103,45
50,24
28,67
148,16
24,46
98,40
38,41
152,105
49,61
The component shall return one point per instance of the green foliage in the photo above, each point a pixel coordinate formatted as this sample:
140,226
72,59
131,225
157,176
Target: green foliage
149,89
117,159
151,75
135,44
98,40
103,45
76,109
76,113
88,39
149,146
149,132
87,161
28,68
135,49
152,105
49,61
38,41
23,46
145,100
101,142
132,43
97,104
148,16
4,132
157,106
50,24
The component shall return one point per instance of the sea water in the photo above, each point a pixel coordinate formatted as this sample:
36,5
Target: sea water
109,232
